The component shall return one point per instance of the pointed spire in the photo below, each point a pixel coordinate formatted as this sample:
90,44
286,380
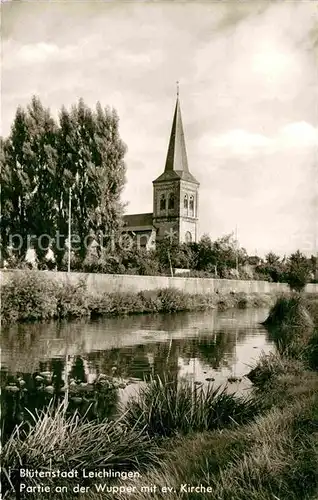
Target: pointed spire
177,154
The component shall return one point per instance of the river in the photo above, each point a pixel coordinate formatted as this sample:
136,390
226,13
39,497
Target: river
107,360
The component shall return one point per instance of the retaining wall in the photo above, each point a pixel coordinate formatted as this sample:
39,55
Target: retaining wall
99,283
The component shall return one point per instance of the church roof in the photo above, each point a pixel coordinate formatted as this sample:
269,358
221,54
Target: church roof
176,174
176,162
138,221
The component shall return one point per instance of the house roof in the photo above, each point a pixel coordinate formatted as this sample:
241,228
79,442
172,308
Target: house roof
176,162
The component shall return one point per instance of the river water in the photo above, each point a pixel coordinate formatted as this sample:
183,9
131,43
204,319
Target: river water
107,360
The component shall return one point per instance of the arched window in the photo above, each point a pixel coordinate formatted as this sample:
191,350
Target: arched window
163,202
188,237
191,205
185,202
171,201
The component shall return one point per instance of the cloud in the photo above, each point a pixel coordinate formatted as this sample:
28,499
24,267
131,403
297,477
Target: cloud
244,143
237,142
34,53
142,60
300,134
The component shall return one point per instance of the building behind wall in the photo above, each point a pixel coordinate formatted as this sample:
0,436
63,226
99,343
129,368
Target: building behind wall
175,198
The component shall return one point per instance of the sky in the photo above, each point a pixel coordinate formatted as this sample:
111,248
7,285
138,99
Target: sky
248,74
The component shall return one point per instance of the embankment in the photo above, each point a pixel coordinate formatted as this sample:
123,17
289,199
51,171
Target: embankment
97,284
31,296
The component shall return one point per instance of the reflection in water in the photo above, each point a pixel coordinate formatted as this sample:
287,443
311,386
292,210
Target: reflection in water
102,362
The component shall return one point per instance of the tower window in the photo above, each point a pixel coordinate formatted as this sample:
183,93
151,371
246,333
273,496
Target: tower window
185,202
191,205
188,237
171,201
163,202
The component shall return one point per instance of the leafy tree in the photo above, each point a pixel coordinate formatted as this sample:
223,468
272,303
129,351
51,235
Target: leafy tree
141,261
206,259
41,160
298,271
273,268
228,254
5,203
28,174
91,158
16,181
41,163
254,260
174,254
272,259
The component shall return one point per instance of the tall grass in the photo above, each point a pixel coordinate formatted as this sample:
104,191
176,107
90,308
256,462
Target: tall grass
56,441
311,353
290,313
291,326
165,408
312,306
281,461
296,339
271,366
274,457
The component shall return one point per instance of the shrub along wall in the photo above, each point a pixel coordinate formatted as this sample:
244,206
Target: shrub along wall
30,297
100,283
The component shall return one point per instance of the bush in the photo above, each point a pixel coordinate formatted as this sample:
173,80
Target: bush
28,297
151,300
126,303
173,300
109,265
72,301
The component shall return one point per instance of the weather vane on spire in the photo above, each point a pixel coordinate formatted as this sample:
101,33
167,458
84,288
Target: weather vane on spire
177,88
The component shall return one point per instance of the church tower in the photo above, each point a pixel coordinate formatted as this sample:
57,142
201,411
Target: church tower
175,191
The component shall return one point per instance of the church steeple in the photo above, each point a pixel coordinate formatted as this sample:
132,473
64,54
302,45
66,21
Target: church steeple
176,191
177,154
176,166
175,197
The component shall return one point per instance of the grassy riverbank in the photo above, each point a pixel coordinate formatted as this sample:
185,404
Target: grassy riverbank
262,447
27,297
272,455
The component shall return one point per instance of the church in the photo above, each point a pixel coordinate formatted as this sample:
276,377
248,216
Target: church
175,197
